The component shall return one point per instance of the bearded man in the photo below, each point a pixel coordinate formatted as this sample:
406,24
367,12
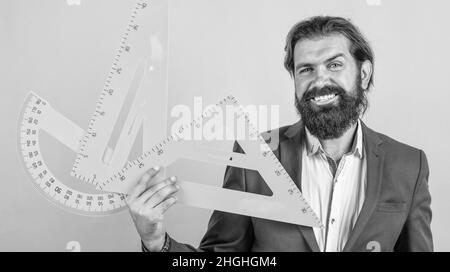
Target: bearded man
369,190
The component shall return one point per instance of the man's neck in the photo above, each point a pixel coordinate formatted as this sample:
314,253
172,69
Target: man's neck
336,148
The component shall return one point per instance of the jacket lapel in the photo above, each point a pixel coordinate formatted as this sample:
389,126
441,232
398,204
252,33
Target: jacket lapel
290,158
375,159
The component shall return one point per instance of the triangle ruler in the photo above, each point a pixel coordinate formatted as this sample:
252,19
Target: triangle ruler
136,87
286,203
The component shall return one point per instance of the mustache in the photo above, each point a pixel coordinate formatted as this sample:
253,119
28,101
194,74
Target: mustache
325,90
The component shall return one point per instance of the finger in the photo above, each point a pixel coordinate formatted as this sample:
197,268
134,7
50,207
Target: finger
155,179
141,186
155,189
162,207
151,173
162,195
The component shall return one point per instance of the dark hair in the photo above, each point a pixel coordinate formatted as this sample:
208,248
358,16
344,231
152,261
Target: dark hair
325,25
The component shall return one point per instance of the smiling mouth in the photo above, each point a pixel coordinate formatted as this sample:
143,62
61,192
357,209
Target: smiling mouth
324,99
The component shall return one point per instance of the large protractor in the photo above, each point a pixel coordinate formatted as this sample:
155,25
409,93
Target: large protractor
38,115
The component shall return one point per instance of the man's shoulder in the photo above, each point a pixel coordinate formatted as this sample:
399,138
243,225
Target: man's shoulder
396,152
391,144
284,132
280,131
393,148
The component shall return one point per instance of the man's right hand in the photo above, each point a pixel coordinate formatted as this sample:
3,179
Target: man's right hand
148,202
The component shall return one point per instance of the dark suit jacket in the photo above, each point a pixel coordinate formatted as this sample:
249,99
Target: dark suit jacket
395,216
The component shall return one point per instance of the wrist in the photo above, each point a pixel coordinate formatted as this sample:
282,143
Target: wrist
155,245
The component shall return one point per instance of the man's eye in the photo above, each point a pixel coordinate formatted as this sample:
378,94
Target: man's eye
305,70
335,65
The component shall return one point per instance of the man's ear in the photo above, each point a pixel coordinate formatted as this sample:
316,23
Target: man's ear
366,73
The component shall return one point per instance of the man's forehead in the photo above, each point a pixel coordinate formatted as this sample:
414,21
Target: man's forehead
321,47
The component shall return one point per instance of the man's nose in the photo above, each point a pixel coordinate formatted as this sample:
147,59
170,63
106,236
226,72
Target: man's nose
321,78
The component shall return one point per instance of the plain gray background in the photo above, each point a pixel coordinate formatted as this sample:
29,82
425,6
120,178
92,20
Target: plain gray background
64,52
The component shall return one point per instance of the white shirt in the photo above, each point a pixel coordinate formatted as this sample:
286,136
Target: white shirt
336,200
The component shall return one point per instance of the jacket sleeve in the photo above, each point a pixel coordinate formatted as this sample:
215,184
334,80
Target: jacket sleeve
416,234
226,231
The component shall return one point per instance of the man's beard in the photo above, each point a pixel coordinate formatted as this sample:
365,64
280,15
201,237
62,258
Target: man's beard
331,121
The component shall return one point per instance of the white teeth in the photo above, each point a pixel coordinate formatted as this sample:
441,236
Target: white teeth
324,97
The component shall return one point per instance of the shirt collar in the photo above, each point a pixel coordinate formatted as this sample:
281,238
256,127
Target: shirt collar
314,147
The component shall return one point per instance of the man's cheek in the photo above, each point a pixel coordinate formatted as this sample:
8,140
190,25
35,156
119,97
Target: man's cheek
299,92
